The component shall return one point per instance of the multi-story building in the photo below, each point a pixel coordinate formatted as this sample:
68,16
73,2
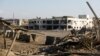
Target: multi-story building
53,23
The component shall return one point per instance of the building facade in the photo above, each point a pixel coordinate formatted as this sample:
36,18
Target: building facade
78,23
54,23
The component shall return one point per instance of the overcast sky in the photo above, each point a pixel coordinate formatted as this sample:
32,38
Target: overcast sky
46,8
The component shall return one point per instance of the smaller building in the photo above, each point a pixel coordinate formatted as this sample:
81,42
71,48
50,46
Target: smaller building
78,23
13,21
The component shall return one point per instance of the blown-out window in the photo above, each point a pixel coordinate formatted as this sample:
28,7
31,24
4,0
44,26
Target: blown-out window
69,26
69,21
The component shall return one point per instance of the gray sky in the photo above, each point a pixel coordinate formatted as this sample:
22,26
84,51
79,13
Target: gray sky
46,8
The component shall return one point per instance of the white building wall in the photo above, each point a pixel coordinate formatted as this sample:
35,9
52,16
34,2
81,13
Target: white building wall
78,23
23,22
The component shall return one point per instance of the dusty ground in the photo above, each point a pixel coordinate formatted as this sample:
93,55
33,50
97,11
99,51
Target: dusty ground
56,33
18,47
22,49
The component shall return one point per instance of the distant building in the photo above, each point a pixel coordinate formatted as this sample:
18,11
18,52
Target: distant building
13,21
55,23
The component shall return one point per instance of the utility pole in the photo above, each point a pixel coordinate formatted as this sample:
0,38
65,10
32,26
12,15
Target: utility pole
4,30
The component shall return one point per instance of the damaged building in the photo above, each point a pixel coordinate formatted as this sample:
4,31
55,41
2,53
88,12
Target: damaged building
38,23
54,23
